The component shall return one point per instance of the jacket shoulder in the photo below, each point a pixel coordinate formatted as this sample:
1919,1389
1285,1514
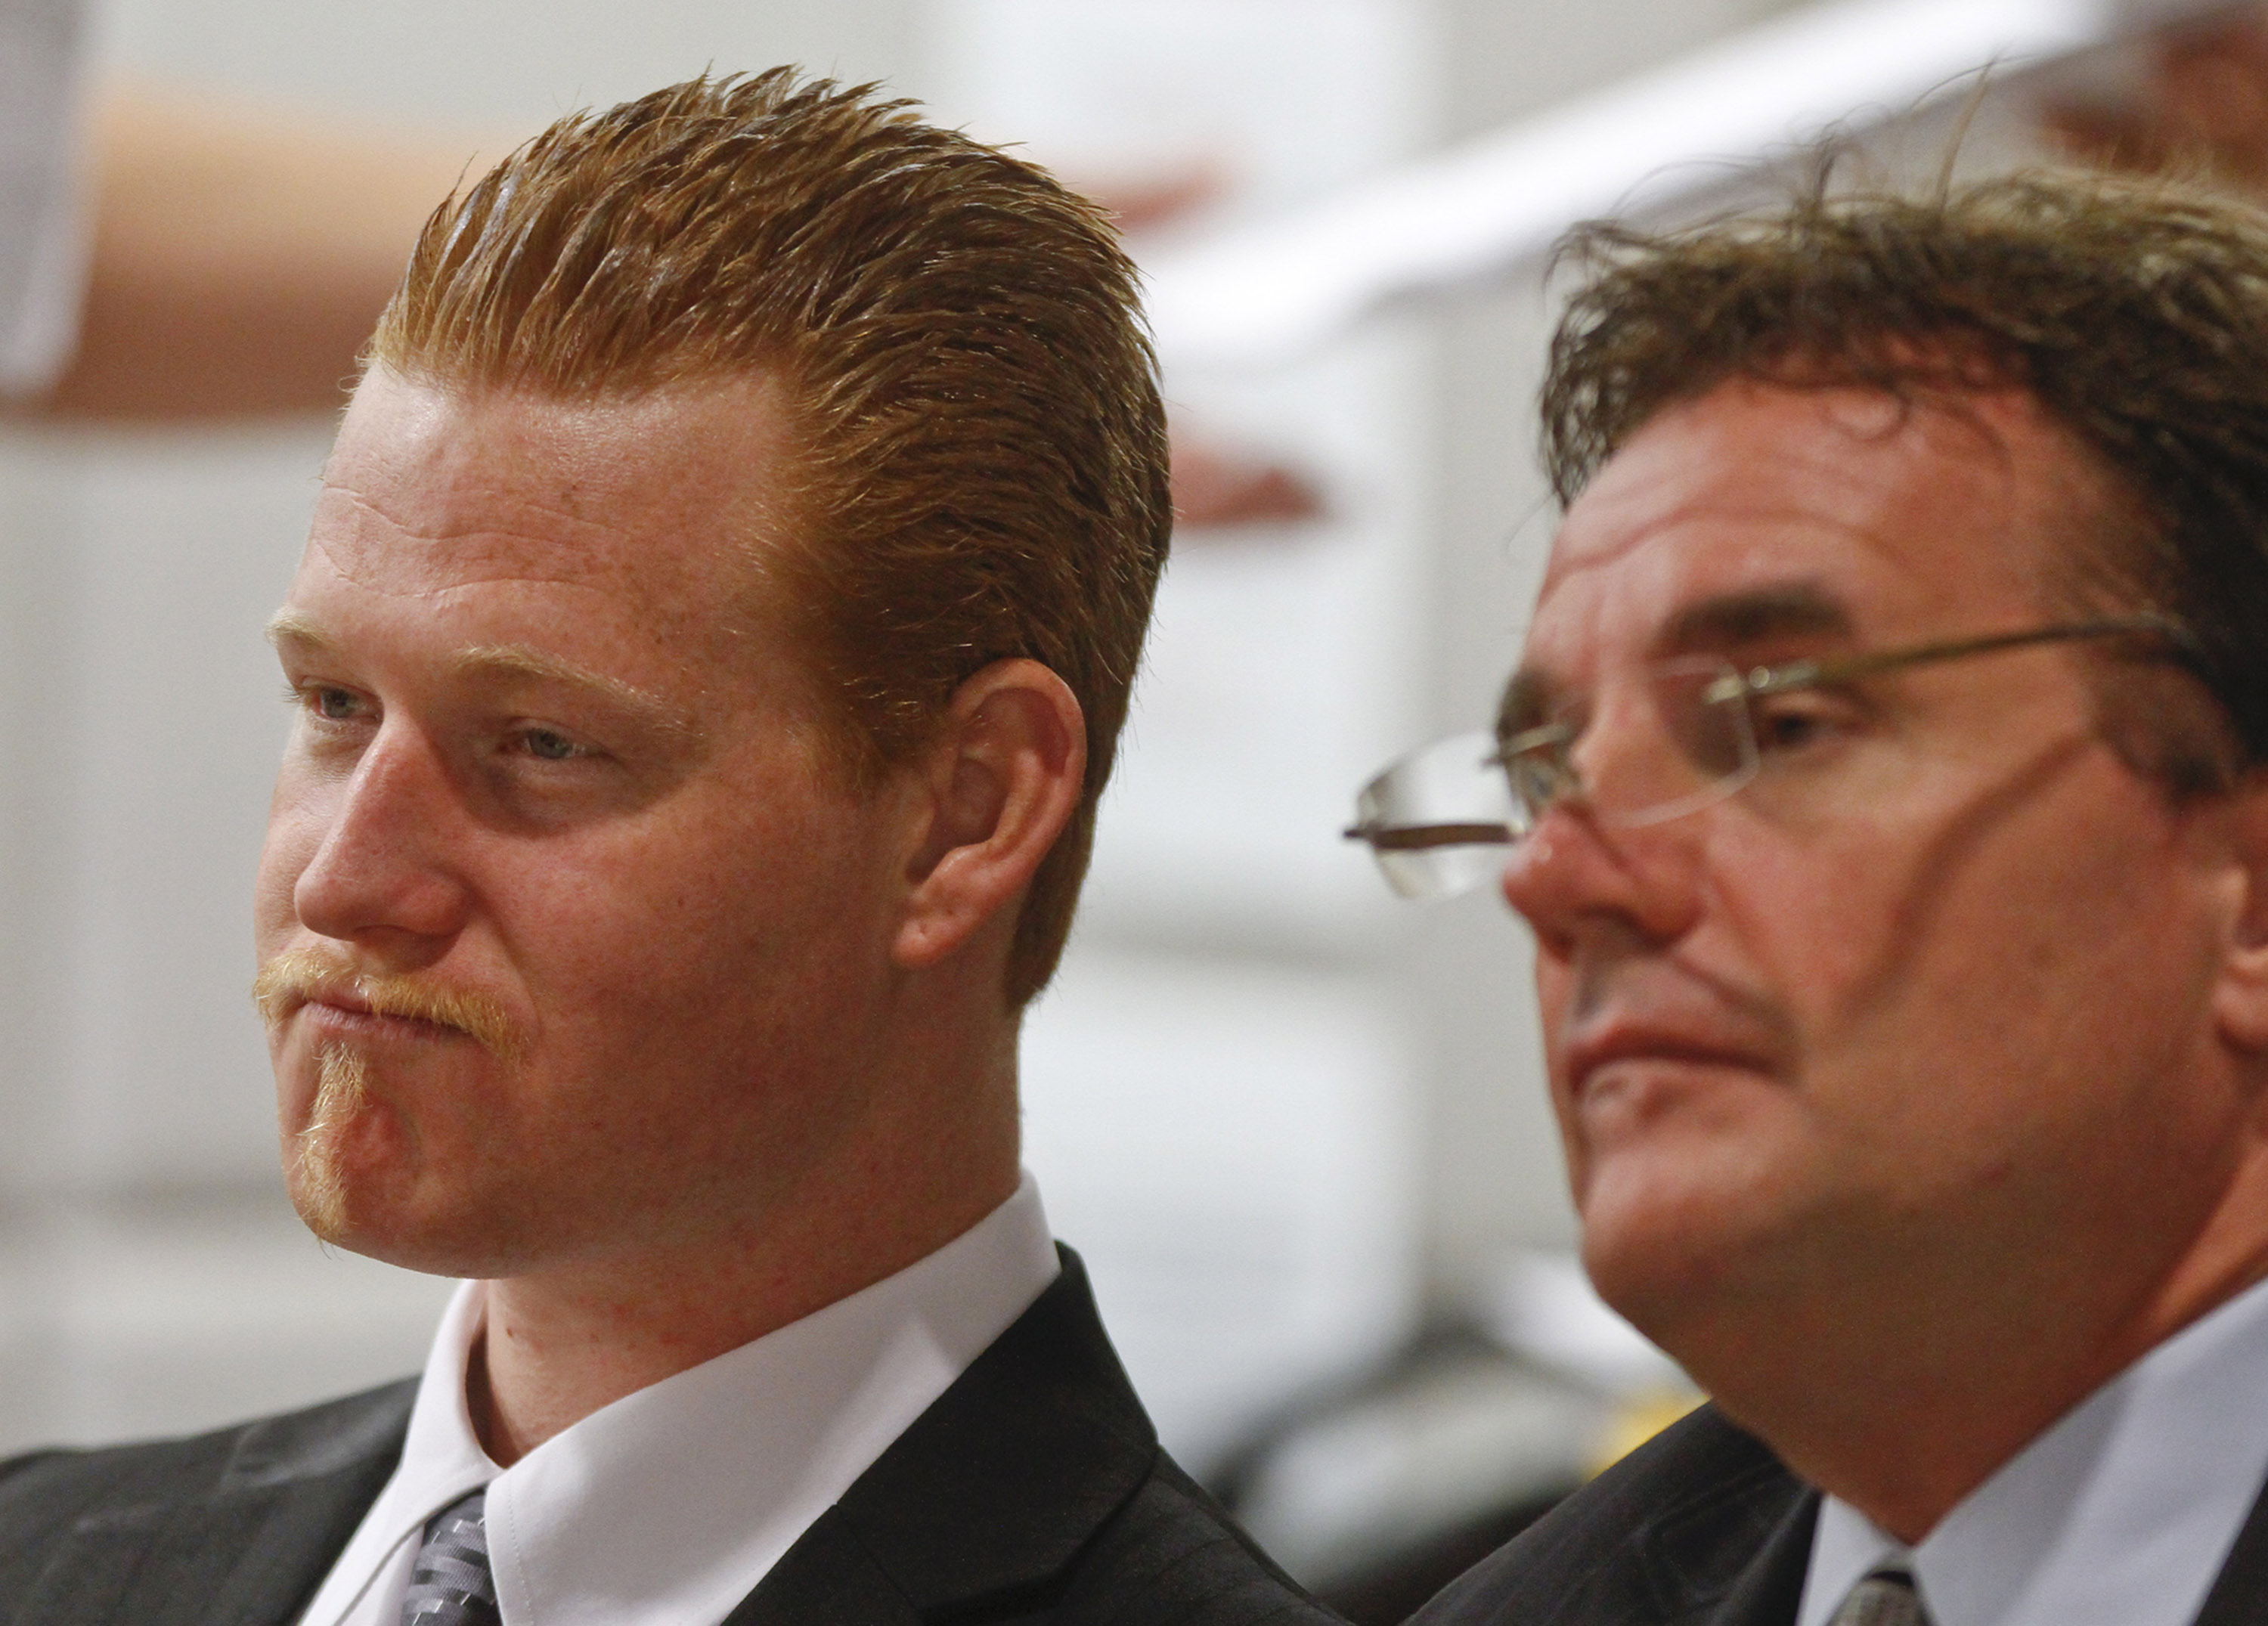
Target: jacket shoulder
1683,1520
47,1498
1172,1554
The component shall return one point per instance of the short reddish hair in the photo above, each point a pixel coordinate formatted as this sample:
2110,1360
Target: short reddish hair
980,448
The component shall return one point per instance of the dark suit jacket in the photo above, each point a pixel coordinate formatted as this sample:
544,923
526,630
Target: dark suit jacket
1703,1524
1032,1490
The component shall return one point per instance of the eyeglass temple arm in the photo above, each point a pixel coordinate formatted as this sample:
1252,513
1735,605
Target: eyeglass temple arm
1805,674
1419,837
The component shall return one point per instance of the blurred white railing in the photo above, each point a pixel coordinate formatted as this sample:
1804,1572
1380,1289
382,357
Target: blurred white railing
1475,214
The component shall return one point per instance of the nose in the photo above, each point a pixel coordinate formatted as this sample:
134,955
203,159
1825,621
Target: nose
1573,875
386,871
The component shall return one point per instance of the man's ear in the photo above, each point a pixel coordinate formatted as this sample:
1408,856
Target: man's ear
2241,1001
1000,779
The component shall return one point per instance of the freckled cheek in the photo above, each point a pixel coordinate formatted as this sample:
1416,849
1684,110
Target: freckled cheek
621,955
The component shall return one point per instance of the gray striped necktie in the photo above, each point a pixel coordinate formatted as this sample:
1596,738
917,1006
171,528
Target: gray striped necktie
1885,1598
451,1584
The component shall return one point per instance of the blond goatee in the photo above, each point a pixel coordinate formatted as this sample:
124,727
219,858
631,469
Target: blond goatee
319,1187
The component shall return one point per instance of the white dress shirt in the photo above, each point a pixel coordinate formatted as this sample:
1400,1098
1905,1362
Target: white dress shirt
668,1506
2121,1515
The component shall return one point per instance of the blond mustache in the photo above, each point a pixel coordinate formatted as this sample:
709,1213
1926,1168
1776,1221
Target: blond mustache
295,977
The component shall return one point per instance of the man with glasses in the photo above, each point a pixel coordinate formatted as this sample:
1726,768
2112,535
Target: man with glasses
1883,780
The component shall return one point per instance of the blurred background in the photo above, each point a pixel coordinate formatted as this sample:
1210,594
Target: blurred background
1299,1130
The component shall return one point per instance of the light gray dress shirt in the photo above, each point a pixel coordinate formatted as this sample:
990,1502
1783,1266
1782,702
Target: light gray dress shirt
2121,1515
668,1507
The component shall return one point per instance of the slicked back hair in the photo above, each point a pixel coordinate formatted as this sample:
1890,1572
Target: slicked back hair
978,469
2134,311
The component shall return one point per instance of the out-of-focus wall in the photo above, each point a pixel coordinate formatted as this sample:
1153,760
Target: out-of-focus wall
1251,1046
512,65
1501,61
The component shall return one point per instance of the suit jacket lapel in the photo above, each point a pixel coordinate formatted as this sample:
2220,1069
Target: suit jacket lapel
249,1552
1770,1590
1735,1555
826,1579
2240,1592
981,1506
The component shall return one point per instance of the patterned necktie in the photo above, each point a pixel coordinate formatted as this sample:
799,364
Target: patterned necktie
451,1584
1885,1598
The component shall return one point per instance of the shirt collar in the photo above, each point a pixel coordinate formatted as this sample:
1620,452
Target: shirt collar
669,1505
2120,1514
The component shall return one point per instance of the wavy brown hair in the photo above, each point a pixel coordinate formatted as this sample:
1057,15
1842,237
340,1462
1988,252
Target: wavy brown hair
979,468
2134,311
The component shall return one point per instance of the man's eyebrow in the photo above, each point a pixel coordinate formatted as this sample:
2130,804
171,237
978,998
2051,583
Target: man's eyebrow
1733,619
518,660
288,625
1725,620
510,660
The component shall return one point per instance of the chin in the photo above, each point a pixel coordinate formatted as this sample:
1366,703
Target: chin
1653,1277
400,1235
348,1200
352,1189
362,1174
1672,1251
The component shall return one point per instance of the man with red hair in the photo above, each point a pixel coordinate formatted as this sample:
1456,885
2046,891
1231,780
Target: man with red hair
711,641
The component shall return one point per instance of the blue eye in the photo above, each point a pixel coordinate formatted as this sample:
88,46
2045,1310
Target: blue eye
549,745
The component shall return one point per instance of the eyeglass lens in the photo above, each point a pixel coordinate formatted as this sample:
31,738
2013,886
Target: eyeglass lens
1695,706
1438,819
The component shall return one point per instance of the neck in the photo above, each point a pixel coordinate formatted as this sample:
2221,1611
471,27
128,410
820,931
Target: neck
1902,1404
560,1342
556,1348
